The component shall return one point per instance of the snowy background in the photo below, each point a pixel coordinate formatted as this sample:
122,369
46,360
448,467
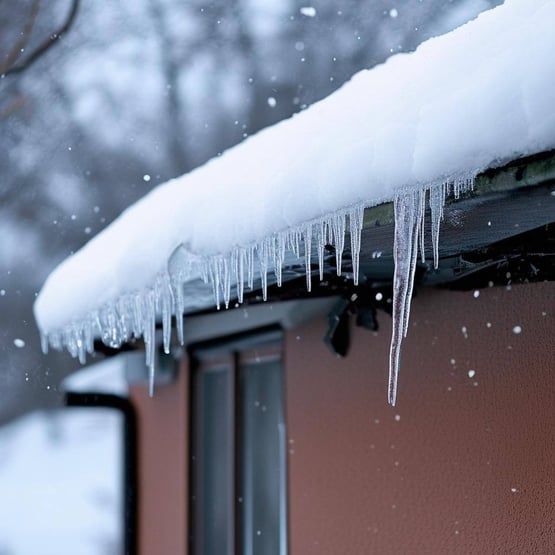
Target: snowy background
53,501
139,92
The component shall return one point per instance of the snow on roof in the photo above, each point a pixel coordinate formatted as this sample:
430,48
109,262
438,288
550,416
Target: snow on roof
472,99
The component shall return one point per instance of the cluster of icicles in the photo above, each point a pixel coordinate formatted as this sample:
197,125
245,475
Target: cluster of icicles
135,315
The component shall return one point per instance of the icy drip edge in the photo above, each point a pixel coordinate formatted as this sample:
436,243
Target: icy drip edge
134,315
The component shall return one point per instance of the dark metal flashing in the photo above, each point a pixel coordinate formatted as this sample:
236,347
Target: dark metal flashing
500,233
529,171
104,400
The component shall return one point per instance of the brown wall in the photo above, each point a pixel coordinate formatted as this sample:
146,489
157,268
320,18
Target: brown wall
461,465
433,475
163,487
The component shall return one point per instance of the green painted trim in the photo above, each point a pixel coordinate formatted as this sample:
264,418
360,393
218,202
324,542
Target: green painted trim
524,172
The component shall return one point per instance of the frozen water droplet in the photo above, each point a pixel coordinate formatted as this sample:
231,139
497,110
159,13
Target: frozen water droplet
397,417
476,294
2,292
272,102
146,177
379,296
308,11
517,329
393,13
19,343
471,373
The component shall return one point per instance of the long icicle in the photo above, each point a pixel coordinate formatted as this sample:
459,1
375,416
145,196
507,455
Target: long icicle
405,250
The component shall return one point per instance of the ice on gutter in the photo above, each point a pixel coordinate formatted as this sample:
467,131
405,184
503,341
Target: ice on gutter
416,128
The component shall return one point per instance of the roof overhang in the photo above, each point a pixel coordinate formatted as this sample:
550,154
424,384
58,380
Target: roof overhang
422,125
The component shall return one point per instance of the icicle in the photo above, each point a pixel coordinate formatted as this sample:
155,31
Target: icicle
405,248
422,209
356,218
82,352
149,334
250,267
321,235
226,281
179,308
240,272
88,336
338,226
263,256
124,319
110,327
137,307
291,242
307,238
279,257
166,307
56,340
419,208
69,341
215,276
44,342
437,200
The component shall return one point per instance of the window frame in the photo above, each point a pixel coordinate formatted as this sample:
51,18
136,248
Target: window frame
130,454
229,350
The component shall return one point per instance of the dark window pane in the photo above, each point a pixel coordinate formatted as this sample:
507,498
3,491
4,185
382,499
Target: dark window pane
214,463
263,472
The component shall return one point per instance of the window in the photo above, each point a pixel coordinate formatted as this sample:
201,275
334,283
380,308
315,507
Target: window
238,446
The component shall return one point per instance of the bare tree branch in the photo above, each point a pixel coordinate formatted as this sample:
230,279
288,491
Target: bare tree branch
17,49
46,44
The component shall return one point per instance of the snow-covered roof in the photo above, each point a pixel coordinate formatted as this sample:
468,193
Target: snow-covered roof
472,99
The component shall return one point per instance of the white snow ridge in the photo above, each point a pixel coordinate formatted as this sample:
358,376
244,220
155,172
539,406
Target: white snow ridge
417,127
